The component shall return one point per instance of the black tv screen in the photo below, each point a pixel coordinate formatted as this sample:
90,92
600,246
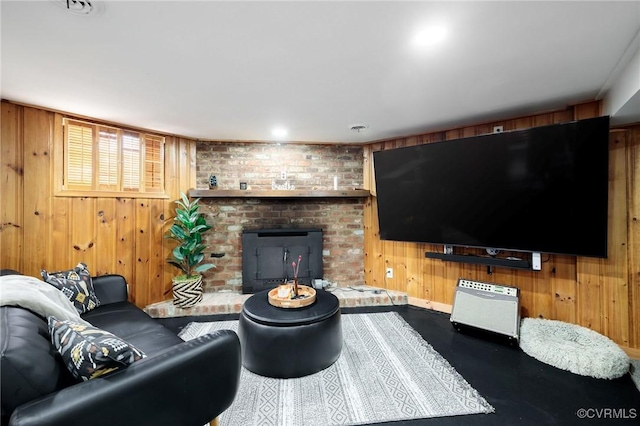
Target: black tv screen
543,189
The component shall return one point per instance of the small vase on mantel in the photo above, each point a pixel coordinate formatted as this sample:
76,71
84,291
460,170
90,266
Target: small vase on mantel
213,182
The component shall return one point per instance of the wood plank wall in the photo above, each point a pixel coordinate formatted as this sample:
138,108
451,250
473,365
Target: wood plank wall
124,235
111,235
602,294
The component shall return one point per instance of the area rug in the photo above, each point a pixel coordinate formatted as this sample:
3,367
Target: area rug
573,348
386,372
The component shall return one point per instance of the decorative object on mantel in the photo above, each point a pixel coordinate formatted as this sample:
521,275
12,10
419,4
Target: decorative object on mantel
282,185
187,229
213,182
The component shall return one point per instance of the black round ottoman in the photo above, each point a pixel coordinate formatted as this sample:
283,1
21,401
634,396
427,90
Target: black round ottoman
290,342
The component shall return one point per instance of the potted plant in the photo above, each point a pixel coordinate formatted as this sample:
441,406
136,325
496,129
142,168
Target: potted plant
187,229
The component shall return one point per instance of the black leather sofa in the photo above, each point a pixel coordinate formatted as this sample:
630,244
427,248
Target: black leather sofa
178,383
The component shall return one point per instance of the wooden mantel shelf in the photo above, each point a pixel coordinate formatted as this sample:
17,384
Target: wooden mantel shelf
237,193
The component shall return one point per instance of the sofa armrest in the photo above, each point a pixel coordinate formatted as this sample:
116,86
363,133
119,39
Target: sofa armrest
188,384
110,288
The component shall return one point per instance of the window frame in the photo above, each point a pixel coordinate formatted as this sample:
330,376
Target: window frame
65,189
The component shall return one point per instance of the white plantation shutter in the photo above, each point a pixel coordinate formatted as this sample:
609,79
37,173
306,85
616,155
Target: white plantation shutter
130,161
79,159
153,163
107,159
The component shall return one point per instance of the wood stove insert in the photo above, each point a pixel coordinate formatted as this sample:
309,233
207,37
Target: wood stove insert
267,255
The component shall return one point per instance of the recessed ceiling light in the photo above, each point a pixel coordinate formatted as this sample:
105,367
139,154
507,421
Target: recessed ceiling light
430,36
279,132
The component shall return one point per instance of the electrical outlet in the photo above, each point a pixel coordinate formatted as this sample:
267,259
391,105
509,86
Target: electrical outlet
498,129
283,175
389,272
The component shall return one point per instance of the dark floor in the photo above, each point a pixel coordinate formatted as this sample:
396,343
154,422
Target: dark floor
521,389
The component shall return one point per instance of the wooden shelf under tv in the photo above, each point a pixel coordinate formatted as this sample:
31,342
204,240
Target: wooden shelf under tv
238,193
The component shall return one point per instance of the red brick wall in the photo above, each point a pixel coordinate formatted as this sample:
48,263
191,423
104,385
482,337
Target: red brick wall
307,167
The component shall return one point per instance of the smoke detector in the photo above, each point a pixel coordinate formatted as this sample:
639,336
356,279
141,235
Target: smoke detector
80,7
359,127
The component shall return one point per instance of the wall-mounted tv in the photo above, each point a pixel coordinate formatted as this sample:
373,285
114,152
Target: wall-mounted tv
542,189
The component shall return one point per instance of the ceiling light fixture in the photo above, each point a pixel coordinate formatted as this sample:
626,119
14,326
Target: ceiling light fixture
430,36
359,127
279,132
80,7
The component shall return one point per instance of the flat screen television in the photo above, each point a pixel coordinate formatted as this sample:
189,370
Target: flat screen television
542,189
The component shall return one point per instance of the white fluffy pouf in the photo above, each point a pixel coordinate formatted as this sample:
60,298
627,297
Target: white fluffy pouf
571,347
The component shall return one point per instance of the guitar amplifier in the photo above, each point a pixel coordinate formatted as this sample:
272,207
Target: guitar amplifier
487,306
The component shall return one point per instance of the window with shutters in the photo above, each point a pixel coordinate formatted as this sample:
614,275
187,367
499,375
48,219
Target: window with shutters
108,161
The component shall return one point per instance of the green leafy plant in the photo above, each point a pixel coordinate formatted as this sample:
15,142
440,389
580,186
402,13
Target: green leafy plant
187,229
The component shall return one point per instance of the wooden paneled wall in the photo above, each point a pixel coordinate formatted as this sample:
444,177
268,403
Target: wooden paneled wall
602,294
111,235
124,235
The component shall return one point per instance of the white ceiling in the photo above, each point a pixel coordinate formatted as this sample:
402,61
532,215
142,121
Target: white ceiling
234,70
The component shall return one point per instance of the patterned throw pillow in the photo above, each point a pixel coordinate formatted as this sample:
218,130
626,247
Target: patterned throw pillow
89,352
76,284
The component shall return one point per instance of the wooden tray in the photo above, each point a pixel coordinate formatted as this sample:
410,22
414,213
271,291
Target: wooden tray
308,297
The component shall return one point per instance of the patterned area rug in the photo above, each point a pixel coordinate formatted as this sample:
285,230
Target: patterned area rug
386,372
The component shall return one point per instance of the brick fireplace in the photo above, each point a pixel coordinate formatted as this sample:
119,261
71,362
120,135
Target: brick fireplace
307,167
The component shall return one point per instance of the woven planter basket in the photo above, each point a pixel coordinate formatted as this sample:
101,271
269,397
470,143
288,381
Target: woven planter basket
187,293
